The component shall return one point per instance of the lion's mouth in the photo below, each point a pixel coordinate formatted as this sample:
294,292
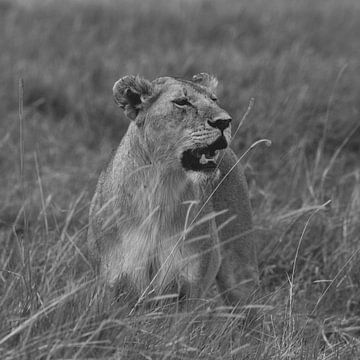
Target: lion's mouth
203,158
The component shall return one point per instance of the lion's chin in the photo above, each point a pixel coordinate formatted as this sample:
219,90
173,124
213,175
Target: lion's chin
205,158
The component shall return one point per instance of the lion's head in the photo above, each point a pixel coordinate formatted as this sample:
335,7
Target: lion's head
180,122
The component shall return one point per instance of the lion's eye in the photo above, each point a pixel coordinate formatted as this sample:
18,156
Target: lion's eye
213,97
182,102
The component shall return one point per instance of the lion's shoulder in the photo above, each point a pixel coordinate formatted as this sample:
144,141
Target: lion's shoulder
230,167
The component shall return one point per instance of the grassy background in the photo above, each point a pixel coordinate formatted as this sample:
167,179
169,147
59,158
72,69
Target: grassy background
298,59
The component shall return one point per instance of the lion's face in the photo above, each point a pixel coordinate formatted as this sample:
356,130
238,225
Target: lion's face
180,121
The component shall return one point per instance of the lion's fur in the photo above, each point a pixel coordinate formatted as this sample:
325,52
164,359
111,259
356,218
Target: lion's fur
153,225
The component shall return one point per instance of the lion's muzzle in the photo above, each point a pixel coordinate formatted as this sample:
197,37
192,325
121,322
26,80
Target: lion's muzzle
203,158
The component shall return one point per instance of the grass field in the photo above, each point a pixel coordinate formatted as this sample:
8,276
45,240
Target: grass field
298,59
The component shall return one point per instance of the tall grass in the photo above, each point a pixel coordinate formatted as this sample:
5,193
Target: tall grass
299,60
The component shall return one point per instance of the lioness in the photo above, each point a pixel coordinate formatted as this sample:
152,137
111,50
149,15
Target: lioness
171,211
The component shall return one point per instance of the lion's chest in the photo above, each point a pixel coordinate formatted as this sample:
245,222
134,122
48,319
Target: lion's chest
151,247
151,259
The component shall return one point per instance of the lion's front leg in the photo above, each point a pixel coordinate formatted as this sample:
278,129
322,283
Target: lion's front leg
237,279
203,262
239,289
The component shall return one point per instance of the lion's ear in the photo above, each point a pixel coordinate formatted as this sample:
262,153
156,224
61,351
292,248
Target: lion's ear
130,92
204,79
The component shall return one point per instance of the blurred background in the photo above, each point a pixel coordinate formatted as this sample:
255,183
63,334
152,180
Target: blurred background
299,60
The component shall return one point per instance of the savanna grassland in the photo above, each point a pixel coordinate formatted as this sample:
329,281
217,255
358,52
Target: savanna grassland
299,60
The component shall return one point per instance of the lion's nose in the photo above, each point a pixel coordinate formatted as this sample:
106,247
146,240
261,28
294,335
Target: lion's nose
220,122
